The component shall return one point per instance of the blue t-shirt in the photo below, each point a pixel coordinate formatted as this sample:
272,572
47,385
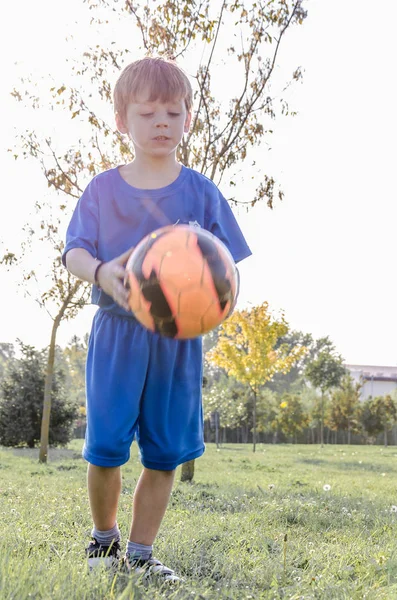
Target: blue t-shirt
112,216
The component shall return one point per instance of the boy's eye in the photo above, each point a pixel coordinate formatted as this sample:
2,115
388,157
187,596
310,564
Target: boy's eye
150,114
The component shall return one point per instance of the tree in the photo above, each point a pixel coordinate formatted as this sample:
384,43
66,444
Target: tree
7,355
266,411
21,405
344,406
227,398
75,355
62,300
379,414
324,373
294,381
221,136
246,349
291,418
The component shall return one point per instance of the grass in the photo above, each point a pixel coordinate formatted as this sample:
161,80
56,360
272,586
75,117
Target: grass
224,533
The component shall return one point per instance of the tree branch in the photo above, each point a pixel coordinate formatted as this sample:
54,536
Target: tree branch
208,66
72,183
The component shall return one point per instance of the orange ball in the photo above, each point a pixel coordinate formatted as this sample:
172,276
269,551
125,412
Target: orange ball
183,281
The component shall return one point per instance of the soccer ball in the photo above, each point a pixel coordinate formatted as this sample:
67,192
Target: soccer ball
183,281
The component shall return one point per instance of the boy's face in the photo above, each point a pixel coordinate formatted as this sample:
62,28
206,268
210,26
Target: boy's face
155,128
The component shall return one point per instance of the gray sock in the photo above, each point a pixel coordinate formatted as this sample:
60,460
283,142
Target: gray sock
106,537
138,550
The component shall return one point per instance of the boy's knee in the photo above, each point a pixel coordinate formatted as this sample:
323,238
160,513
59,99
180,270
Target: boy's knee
99,469
157,473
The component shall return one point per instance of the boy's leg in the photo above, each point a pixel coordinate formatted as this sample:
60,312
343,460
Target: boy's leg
114,386
150,502
104,488
169,432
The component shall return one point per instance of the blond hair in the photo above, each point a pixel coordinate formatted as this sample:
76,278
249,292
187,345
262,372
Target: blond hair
162,78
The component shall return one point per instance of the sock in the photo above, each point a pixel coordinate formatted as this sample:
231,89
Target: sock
105,538
139,551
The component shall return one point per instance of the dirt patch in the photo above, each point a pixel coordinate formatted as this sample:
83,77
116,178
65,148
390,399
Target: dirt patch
54,454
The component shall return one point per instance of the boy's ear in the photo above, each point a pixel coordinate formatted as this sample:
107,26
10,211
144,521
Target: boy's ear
120,124
188,121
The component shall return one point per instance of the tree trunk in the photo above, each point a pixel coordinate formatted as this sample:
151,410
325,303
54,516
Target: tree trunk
322,421
394,436
385,436
45,420
349,433
187,473
254,424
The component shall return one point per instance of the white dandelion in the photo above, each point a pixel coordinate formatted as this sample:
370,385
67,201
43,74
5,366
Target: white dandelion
393,508
271,486
326,487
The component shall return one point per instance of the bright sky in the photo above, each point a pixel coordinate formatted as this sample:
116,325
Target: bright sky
326,254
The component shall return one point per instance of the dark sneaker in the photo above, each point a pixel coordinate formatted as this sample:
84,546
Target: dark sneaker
108,556
150,570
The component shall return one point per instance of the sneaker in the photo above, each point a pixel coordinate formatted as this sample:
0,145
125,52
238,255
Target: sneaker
150,570
108,556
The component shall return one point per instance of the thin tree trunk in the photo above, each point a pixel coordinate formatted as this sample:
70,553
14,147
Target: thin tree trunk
349,433
187,473
216,431
254,424
385,436
45,420
394,436
322,420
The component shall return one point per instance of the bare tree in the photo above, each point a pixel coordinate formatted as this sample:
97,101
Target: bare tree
245,34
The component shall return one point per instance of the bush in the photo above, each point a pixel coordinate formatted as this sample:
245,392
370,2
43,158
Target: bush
21,403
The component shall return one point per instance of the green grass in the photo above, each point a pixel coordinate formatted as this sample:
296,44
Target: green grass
224,533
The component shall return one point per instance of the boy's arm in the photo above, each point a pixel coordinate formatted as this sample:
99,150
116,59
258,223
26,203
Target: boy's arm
81,264
110,276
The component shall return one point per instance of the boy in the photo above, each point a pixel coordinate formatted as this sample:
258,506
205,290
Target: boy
137,382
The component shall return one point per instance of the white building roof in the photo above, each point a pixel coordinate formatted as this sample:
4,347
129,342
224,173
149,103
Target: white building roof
374,372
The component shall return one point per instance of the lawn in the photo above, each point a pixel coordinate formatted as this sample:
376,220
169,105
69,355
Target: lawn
225,533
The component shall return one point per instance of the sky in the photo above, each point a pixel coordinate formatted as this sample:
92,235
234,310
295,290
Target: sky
325,255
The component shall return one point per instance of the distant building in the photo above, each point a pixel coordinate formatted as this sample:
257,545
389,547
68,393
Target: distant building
377,381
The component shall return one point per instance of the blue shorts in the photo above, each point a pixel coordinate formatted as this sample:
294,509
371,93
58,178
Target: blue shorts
144,385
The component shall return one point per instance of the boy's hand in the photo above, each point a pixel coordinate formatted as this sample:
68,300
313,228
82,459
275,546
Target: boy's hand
111,277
